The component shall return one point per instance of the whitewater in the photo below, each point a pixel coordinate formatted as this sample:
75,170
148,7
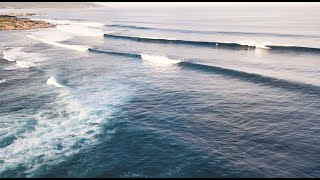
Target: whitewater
164,92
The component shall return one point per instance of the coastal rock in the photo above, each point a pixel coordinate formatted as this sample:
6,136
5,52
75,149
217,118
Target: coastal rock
8,22
20,14
35,5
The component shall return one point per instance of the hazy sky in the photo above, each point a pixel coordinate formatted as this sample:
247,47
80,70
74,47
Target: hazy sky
137,4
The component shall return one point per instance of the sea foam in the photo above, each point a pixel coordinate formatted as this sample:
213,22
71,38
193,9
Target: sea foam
61,128
53,81
25,64
67,46
159,60
22,59
66,22
80,30
13,54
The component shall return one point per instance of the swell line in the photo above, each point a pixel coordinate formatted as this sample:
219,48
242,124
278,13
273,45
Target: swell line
176,41
249,77
232,45
255,78
210,32
114,53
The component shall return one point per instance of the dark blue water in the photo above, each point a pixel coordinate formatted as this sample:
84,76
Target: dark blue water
168,92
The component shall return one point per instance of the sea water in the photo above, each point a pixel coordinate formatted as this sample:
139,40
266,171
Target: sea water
227,91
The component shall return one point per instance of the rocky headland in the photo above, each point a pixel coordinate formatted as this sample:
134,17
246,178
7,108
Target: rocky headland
9,22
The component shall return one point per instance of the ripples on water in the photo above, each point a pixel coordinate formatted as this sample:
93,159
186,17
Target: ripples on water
119,93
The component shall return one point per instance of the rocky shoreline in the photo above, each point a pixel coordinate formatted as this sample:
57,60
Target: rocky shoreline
20,14
9,22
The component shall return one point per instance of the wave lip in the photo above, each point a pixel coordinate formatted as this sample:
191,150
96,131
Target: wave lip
157,60
294,48
114,53
53,81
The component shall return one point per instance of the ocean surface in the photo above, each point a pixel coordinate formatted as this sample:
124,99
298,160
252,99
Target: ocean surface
223,91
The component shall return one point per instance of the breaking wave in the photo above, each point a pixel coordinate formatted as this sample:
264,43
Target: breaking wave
3,81
243,45
53,81
68,22
211,32
159,60
67,46
246,76
22,59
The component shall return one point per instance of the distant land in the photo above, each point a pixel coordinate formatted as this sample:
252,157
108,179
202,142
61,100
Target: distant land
14,23
34,5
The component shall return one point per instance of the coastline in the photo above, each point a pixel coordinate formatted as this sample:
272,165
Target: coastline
47,5
12,22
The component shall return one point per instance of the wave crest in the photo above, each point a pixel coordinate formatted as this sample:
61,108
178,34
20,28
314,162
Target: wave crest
3,81
210,32
25,64
255,78
159,60
53,81
242,45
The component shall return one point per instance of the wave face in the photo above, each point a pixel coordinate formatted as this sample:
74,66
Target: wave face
153,59
114,53
255,78
53,81
243,45
186,42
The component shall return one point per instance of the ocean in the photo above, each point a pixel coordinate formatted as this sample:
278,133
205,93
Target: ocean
223,91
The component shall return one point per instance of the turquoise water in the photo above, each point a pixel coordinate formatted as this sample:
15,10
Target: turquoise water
164,92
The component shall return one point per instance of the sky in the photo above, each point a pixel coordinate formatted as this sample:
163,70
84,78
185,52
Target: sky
163,4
